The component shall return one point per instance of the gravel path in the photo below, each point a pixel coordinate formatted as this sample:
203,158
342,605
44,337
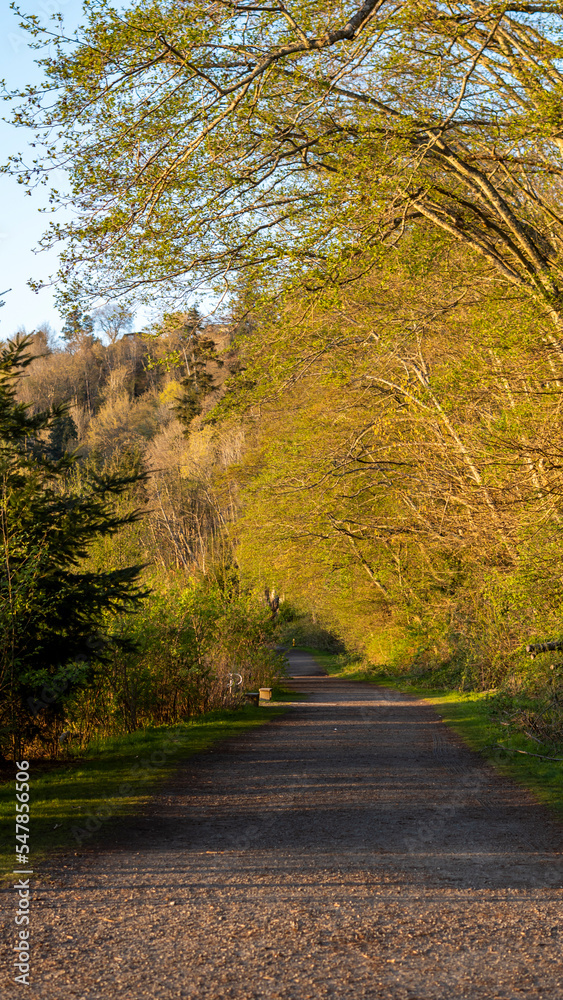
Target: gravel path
351,849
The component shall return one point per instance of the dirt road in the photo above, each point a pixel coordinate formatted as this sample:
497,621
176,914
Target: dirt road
350,849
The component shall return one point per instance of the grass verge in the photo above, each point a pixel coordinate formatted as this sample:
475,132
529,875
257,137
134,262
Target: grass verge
480,718
73,800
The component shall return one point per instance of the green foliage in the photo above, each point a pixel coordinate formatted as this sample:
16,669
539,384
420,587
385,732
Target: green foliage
75,657
401,481
62,436
298,149
198,383
173,659
52,612
301,629
77,326
81,652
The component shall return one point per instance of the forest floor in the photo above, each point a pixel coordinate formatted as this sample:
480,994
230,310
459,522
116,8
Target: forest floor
353,848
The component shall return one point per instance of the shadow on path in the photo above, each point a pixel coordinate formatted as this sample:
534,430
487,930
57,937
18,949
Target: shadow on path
350,849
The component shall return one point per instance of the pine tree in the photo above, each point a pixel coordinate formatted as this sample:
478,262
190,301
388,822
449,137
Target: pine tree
77,326
52,611
62,435
198,383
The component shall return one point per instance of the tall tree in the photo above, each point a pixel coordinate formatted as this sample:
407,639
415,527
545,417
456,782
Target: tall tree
52,611
209,139
78,327
113,320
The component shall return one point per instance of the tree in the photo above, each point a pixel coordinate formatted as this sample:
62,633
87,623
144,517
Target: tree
183,343
198,384
62,435
78,327
208,140
402,472
113,320
52,611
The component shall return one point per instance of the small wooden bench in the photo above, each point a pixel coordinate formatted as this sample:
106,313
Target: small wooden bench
255,697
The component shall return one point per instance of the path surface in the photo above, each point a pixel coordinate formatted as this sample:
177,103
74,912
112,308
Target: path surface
350,849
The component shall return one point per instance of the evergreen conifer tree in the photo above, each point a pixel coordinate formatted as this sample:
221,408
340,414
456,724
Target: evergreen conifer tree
78,326
52,610
198,383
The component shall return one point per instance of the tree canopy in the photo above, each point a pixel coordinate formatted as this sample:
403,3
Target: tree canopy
210,140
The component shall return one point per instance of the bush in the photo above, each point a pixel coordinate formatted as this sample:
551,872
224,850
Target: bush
173,659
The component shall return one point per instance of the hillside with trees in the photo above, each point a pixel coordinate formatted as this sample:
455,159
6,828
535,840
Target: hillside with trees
121,603
372,197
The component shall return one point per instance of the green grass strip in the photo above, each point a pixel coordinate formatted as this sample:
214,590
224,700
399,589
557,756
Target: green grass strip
71,802
470,715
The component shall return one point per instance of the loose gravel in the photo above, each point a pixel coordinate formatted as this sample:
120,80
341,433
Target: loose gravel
353,848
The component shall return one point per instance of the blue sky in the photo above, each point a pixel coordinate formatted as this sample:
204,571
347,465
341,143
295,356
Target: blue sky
21,221
21,224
